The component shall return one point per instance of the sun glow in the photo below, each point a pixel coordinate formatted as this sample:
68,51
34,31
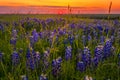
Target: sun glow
83,5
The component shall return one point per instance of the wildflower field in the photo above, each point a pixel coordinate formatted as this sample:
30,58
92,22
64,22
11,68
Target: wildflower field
59,48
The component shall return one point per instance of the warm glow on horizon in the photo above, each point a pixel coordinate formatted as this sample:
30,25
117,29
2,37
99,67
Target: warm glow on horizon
89,4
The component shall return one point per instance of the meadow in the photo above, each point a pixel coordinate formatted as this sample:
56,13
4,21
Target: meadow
59,47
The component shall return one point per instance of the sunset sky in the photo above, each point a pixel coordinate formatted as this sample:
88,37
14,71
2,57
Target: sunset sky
56,6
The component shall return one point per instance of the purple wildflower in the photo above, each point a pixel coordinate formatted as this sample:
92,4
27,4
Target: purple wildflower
102,39
46,59
107,48
14,33
99,52
15,58
119,59
56,66
106,30
35,35
72,25
81,66
13,41
43,77
1,27
95,61
99,27
1,56
84,40
71,39
30,62
68,53
89,37
23,77
86,56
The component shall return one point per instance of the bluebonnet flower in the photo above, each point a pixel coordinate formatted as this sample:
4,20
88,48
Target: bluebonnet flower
43,24
1,27
95,34
41,34
86,56
95,61
99,27
15,58
35,35
88,78
31,40
30,61
61,32
106,30
49,20
43,77
71,39
46,59
56,66
14,33
1,56
13,41
84,40
68,53
118,59
72,25
112,39
15,24
81,66
102,39
89,37
107,48
52,35
37,56
116,22
24,77
99,52
20,50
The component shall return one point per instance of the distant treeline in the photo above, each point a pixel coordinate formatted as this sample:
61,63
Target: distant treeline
99,16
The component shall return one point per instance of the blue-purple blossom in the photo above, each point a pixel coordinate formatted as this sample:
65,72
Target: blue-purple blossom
99,52
13,41
56,66
72,25
15,58
86,56
89,37
14,33
20,50
30,59
33,59
112,39
35,35
43,77
99,27
1,56
119,59
107,48
68,53
84,40
71,39
23,77
102,39
95,61
106,30
1,27
81,66
46,59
